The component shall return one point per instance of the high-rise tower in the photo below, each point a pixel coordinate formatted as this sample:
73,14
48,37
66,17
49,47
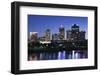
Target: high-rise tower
47,35
61,33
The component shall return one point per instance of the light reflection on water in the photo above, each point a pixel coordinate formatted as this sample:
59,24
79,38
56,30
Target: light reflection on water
74,54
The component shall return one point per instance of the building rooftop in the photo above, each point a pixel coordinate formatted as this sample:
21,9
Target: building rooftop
75,26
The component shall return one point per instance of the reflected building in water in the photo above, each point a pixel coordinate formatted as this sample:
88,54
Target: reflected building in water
61,55
55,46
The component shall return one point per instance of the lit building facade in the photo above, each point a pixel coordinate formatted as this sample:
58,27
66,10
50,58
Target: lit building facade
75,32
47,35
33,36
68,35
61,33
55,37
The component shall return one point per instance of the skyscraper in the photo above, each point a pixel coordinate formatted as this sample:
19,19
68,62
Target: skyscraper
61,33
75,28
68,35
33,36
47,35
75,32
55,37
82,35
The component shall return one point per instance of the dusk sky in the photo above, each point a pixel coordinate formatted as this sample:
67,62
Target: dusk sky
39,23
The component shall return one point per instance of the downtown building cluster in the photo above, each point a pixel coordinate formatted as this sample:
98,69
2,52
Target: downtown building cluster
73,34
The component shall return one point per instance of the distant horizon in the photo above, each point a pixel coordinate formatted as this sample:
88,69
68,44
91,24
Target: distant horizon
39,23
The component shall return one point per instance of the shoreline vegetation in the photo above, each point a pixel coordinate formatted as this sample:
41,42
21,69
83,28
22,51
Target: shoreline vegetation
55,46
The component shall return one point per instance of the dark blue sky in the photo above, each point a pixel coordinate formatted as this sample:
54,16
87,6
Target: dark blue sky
39,23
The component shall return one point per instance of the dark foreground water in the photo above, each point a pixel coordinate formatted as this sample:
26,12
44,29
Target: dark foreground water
74,54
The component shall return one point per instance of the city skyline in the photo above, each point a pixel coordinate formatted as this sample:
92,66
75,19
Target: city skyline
73,34
38,23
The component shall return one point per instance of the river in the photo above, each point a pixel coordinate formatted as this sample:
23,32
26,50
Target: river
61,55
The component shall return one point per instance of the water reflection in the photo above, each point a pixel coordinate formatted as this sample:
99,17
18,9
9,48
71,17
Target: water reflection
74,54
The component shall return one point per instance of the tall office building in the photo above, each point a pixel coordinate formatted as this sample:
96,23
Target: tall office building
47,35
75,28
61,33
75,32
33,36
82,35
68,35
55,37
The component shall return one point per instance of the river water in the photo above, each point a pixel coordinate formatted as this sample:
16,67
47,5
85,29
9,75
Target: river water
74,54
